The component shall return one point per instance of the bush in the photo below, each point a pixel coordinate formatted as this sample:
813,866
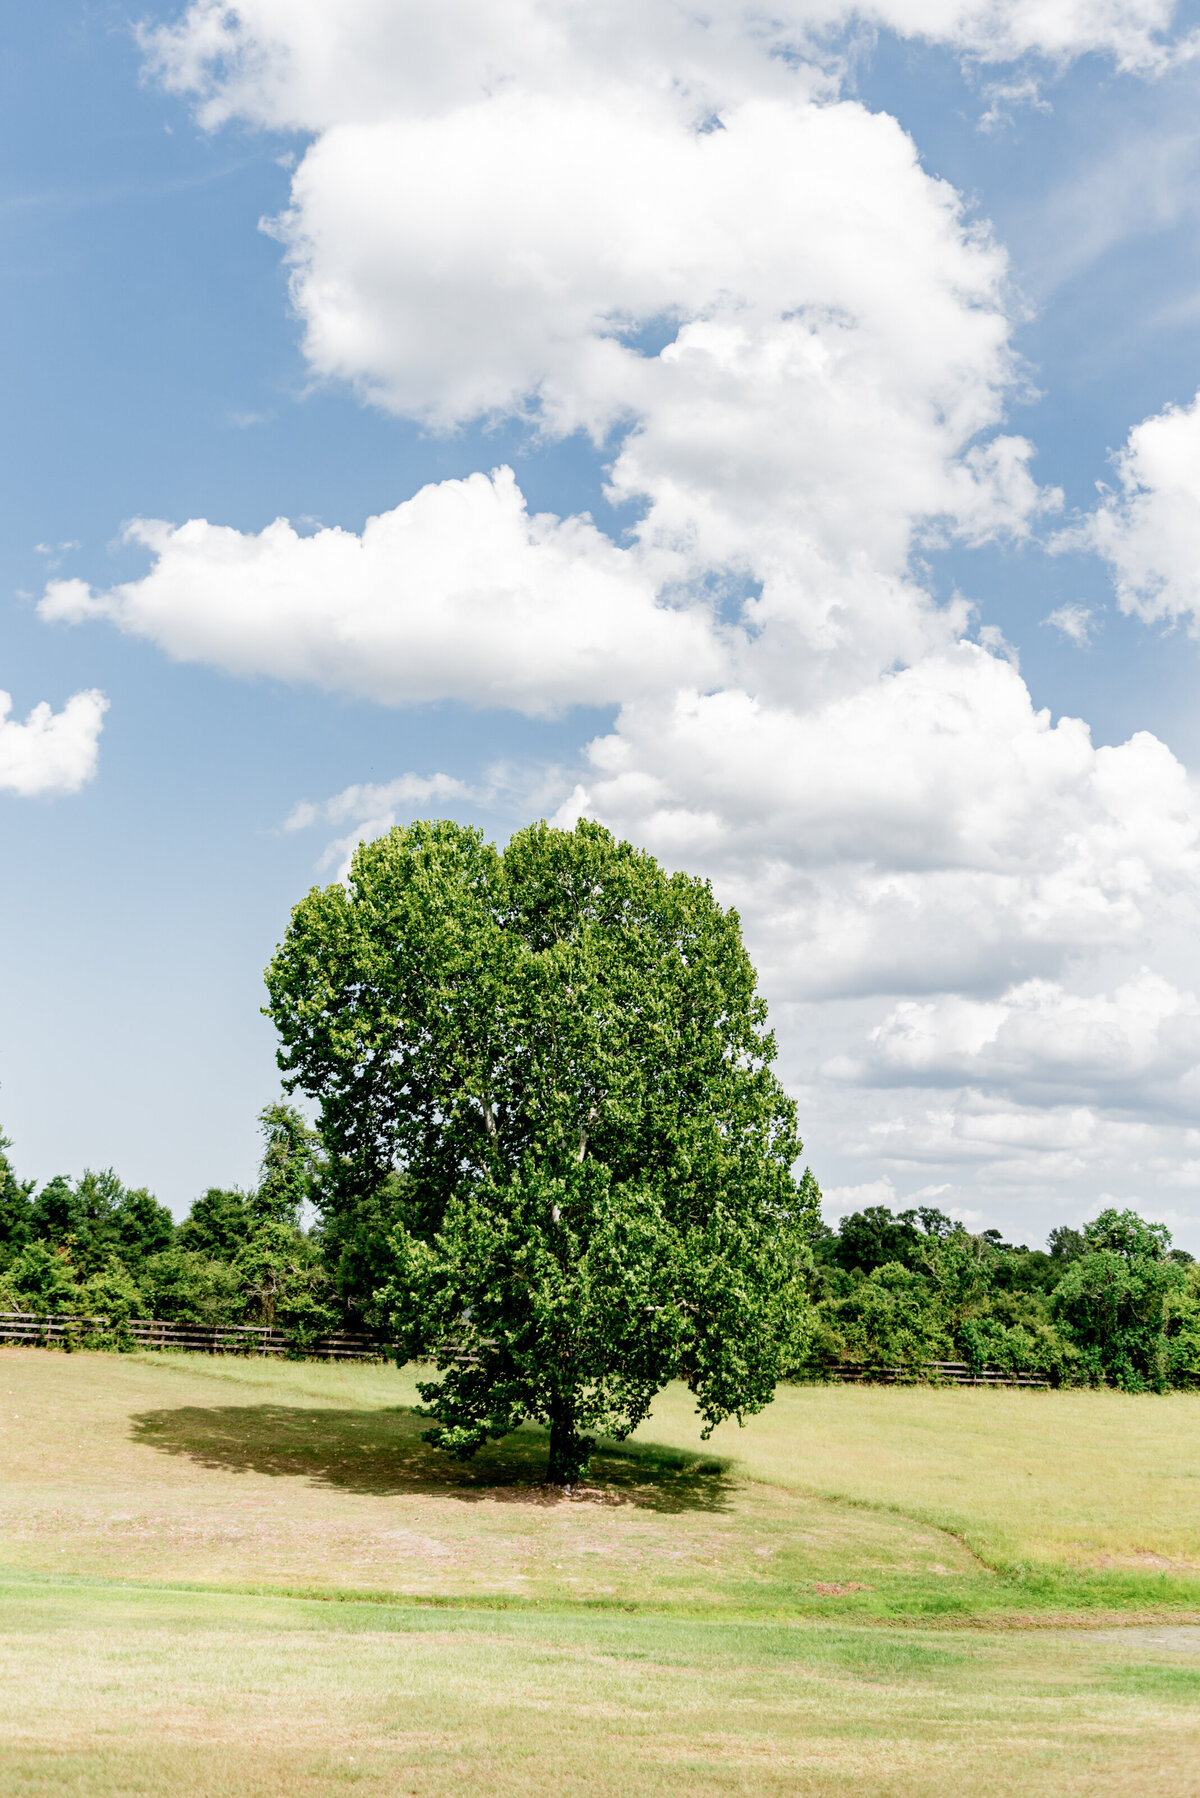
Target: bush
890,1317
113,1293
42,1279
181,1287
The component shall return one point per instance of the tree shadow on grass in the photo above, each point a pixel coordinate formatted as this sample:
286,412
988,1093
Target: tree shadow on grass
381,1452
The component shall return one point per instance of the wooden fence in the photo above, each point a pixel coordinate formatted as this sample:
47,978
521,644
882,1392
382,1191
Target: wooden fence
938,1373
152,1333
250,1339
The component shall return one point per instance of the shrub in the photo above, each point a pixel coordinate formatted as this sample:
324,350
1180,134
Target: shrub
43,1280
890,1317
181,1287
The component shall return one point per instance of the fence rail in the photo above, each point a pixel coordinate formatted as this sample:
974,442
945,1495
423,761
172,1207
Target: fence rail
944,1373
31,1327
226,1339
252,1339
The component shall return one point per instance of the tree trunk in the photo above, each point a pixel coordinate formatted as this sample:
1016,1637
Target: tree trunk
569,1451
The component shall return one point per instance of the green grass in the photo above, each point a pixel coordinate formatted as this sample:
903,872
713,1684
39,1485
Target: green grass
1100,1480
907,1502
113,1692
248,1577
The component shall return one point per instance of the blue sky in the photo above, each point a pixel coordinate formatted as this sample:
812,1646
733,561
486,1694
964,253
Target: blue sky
1016,1032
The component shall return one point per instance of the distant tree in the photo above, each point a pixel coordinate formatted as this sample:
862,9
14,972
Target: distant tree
1065,1244
96,1217
16,1226
891,1318
57,1214
1115,1299
181,1286
562,1051
876,1237
140,1227
283,1281
291,1156
354,1237
43,1279
1018,1269
219,1224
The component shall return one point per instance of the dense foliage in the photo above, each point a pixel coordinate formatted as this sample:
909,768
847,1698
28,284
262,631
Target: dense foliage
563,1048
1111,1303
93,1247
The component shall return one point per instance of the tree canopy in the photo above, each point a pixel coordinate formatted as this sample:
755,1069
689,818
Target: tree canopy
558,1058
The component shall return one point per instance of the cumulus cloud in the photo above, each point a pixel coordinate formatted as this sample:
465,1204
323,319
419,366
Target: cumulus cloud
1148,530
1144,1034
50,752
928,830
675,233
308,64
457,593
372,808
368,801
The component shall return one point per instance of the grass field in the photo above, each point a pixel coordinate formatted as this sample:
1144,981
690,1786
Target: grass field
837,1597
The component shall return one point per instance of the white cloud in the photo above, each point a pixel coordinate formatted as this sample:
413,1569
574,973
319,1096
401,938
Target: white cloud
1141,1039
840,1200
1074,621
365,802
308,64
457,593
929,830
50,752
1149,530
371,809
500,206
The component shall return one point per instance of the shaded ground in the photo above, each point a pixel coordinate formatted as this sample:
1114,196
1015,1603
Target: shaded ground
228,1485
381,1452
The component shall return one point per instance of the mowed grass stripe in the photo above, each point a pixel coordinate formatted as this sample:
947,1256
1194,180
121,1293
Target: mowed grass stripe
110,1693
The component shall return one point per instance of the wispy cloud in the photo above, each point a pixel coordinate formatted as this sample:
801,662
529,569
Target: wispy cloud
1074,621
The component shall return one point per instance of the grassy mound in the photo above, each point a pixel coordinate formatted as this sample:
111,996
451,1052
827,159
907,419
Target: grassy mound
839,1500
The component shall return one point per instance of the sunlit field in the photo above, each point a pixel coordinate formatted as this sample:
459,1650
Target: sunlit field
227,1576
1099,1480
307,1476
212,1695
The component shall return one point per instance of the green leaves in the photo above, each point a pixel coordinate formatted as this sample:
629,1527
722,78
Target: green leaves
563,1052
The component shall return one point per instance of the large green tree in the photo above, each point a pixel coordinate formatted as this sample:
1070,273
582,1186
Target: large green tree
556,1059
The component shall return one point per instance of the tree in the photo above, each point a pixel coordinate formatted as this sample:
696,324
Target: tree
141,1227
289,1166
219,1224
874,1238
98,1217
16,1222
562,1051
1115,1298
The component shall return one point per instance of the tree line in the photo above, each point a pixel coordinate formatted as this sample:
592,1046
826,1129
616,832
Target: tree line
1109,1303
93,1247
